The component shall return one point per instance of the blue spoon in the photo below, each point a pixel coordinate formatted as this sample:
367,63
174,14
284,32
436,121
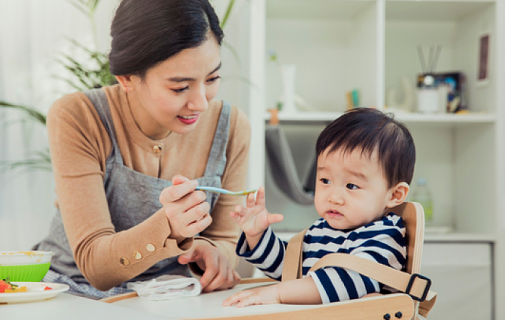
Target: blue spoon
224,191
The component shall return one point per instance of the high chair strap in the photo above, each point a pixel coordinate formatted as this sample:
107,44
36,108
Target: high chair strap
292,268
415,285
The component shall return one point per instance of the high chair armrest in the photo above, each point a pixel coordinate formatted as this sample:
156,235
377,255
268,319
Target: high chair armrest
359,309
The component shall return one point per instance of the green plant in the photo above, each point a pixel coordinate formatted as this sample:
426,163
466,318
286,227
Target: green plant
87,78
82,78
40,160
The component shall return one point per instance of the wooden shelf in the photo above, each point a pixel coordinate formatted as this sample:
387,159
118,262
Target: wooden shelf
315,9
446,118
429,237
409,118
459,237
307,117
433,10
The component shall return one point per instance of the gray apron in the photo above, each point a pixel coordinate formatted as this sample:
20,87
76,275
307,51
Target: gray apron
132,198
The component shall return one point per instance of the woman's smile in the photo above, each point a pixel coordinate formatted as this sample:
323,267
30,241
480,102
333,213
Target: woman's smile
188,119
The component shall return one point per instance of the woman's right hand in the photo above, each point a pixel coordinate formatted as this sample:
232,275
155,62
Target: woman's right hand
186,209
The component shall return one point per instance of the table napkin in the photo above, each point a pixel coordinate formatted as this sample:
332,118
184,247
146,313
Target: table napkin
167,287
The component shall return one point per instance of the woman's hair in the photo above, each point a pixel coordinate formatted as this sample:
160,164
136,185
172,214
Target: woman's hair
370,130
148,32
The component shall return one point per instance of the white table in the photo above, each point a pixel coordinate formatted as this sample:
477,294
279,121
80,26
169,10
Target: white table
65,306
206,305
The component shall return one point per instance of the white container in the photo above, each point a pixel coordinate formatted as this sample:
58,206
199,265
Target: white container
19,258
443,92
428,100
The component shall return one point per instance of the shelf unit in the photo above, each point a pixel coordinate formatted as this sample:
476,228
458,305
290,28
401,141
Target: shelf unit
408,118
339,45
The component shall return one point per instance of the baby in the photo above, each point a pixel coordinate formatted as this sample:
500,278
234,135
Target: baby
365,163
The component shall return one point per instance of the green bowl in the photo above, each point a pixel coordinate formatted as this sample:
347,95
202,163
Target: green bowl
25,273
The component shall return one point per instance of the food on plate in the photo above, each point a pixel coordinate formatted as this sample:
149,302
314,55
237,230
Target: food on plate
7,287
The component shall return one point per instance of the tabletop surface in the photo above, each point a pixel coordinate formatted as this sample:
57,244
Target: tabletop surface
208,305
66,306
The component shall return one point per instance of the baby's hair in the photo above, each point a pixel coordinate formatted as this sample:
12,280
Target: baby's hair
371,130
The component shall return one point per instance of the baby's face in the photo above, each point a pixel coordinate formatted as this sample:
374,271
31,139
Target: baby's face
351,189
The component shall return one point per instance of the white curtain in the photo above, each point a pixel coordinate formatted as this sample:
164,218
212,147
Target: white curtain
32,35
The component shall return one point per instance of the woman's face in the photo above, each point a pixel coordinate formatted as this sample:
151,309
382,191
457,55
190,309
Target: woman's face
175,92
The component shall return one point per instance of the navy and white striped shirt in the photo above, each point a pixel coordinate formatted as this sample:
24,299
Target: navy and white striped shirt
382,241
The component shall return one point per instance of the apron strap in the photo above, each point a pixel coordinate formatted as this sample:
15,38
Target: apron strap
101,104
217,156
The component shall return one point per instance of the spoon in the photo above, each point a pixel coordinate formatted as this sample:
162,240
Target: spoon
224,191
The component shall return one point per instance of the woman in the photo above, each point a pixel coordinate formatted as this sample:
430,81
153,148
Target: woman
127,158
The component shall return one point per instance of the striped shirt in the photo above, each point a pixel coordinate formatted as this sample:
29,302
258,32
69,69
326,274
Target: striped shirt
382,241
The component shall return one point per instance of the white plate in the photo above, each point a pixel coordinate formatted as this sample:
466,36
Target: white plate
35,292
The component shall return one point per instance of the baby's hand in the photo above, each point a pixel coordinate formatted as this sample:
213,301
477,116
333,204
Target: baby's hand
255,219
261,295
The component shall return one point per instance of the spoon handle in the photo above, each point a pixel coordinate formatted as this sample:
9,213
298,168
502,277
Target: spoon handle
224,191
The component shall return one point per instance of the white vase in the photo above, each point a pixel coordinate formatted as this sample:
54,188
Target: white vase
288,73
428,100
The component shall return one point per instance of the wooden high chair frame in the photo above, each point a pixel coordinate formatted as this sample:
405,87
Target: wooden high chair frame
414,302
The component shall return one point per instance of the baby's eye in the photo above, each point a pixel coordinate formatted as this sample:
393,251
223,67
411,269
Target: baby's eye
325,181
351,186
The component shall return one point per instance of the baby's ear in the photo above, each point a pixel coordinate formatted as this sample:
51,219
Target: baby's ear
398,194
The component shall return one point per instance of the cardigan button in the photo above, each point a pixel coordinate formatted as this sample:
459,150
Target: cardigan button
137,255
157,149
150,247
124,261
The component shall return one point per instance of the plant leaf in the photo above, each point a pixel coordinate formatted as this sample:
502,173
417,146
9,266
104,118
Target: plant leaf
31,112
40,161
233,52
77,4
227,13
